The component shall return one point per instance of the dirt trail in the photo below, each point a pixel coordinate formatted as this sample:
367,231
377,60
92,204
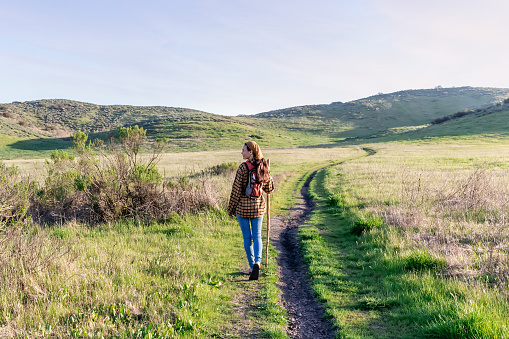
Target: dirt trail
306,315
304,312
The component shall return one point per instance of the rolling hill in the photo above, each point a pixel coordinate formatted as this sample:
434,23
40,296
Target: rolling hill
410,109
37,127
488,122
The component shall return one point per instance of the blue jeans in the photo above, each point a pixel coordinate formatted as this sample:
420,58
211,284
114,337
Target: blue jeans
252,233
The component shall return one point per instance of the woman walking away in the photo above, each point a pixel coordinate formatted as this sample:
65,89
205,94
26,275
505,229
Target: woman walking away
248,204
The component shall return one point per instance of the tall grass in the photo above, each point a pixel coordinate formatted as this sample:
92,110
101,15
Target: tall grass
411,242
135,277
458,212
126,279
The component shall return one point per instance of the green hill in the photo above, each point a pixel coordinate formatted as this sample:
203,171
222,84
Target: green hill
488,122
383,113
35,128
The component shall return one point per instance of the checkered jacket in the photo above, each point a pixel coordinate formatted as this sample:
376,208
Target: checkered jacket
240,203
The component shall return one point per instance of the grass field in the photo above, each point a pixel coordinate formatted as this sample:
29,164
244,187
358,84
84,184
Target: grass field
412,242
178,277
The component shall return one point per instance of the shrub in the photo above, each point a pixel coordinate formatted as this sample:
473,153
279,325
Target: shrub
59,156
224,168
111,182
364,224
451,117
422,260
79,139
337,199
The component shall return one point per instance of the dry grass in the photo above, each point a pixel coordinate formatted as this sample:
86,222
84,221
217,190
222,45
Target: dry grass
454,203
27,255
160,272
185,164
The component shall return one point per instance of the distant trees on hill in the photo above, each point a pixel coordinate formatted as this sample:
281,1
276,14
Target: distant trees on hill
480,111
451,116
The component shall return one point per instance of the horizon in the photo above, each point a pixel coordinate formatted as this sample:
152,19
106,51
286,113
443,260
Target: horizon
246,58
276,109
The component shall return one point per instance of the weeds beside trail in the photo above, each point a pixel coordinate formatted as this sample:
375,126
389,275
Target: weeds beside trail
383,263
133,277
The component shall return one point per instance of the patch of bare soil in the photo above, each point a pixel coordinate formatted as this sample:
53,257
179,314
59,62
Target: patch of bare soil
306,315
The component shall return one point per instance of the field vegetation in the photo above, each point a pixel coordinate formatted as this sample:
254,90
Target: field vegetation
412,242
382,114
136,276
127,236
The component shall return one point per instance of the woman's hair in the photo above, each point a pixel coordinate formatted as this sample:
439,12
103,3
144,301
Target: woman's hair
263,170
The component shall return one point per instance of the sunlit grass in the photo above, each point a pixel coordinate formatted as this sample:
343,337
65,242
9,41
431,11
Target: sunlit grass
175,277
390,261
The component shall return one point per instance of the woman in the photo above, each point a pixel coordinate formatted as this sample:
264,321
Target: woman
249,209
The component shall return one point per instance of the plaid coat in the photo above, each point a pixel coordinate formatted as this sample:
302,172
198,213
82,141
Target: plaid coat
240,203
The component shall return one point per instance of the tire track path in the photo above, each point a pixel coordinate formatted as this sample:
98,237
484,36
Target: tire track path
306,315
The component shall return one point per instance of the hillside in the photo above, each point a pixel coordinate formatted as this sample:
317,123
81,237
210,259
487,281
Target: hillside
28,127
491,121
402,110
34,128
60,117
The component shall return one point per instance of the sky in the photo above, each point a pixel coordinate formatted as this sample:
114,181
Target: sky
244,57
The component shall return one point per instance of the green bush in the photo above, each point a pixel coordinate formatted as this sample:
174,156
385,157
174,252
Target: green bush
146,174
422,260
60,156
337,199
109,183
224,168
363,224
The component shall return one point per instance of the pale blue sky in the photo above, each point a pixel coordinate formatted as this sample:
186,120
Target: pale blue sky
242,57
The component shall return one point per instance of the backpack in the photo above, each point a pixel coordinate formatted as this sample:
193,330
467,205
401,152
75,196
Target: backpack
253,188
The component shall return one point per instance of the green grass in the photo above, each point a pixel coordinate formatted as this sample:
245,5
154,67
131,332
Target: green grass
491,126
375,282
129,280
393,113
15,148
178,277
